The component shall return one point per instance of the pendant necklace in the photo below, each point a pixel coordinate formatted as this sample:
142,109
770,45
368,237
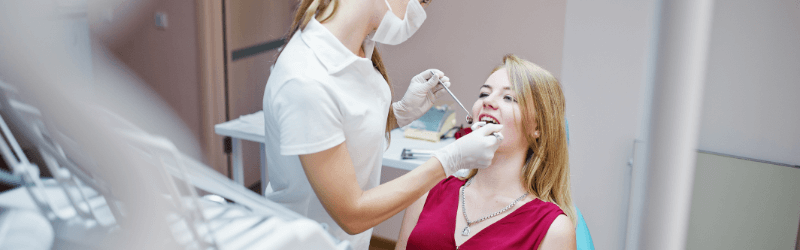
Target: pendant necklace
465,232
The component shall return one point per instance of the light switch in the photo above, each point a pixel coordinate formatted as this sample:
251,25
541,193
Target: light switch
161,20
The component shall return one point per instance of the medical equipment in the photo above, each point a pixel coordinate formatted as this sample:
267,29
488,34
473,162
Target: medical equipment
135,189
469,117
415,153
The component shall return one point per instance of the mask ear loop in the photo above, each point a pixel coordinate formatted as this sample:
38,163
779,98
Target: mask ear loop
389,5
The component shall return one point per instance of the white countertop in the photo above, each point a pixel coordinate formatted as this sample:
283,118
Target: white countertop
391,157
251,127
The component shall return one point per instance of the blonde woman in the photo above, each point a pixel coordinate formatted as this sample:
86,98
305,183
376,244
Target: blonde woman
328,111
522,200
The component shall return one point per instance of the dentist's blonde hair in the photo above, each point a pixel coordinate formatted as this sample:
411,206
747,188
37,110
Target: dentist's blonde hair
545,173
324,10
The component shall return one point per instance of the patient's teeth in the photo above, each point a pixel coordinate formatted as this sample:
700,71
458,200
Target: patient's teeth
489,120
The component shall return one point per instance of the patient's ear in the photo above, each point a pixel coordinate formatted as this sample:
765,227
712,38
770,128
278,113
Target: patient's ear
535,134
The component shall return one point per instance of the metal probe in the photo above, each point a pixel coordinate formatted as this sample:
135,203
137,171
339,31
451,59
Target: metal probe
469,117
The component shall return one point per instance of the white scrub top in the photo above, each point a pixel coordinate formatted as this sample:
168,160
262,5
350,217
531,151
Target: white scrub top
319,94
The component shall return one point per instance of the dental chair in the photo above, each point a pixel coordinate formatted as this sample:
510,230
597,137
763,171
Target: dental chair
582,236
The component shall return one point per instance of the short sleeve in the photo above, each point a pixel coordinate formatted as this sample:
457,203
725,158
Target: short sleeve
308,117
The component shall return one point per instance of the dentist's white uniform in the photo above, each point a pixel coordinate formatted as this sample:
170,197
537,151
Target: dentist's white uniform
319,95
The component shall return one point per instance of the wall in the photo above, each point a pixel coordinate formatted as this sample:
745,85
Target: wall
734,198
249,23
751,105
165,59
466,41
750,110
606,47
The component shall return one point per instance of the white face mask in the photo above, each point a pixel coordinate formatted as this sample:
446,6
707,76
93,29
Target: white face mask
393,31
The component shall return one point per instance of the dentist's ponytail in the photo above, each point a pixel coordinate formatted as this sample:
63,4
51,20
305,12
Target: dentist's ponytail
325,10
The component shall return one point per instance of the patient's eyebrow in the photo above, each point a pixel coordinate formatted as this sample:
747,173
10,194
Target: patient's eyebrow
490,87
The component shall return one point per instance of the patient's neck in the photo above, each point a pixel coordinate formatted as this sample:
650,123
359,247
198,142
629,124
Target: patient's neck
502,177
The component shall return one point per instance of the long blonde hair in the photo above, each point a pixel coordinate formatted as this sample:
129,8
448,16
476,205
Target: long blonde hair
324,10
545,173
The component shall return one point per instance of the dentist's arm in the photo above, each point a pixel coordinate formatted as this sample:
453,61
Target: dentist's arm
333,178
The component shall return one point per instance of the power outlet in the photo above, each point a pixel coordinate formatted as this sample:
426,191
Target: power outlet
161,20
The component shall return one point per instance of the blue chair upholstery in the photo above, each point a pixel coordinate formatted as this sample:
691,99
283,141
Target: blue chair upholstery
582,236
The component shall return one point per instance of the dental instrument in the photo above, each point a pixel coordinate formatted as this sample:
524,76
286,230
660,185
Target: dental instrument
415,153
469,117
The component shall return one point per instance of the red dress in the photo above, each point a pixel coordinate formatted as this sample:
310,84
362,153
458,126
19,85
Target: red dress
523,228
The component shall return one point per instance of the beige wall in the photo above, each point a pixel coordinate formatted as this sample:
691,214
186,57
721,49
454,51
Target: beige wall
466,40
165,59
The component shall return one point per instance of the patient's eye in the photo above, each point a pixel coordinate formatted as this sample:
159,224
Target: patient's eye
483,94
510,98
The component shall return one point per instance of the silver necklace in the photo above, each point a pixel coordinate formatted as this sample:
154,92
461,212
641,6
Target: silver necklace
465,232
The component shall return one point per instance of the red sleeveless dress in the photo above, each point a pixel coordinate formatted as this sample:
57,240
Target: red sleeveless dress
523,228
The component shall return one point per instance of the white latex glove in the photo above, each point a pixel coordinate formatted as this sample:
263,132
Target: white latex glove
477,125
471,151
422,92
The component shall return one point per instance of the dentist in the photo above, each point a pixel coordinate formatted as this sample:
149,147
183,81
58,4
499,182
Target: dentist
328,114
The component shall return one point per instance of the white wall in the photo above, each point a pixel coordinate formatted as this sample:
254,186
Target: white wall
752,94
606,49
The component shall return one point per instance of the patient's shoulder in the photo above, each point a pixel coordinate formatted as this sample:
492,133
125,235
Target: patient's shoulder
450,182
560,235
445,188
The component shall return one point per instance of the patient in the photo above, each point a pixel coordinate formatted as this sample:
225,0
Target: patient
522,200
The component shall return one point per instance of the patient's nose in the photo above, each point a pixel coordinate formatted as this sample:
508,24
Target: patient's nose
490,102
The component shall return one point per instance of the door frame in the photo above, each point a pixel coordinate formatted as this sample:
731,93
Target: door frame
211,46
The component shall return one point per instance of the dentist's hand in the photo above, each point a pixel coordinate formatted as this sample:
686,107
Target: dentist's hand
477,125
471,151
421,93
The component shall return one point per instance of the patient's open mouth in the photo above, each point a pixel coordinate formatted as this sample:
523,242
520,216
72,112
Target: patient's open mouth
488,119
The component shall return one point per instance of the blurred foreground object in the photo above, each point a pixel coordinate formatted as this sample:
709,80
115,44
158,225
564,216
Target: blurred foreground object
96,159
23,229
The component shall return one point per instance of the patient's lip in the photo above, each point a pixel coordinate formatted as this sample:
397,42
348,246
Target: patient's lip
490,116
